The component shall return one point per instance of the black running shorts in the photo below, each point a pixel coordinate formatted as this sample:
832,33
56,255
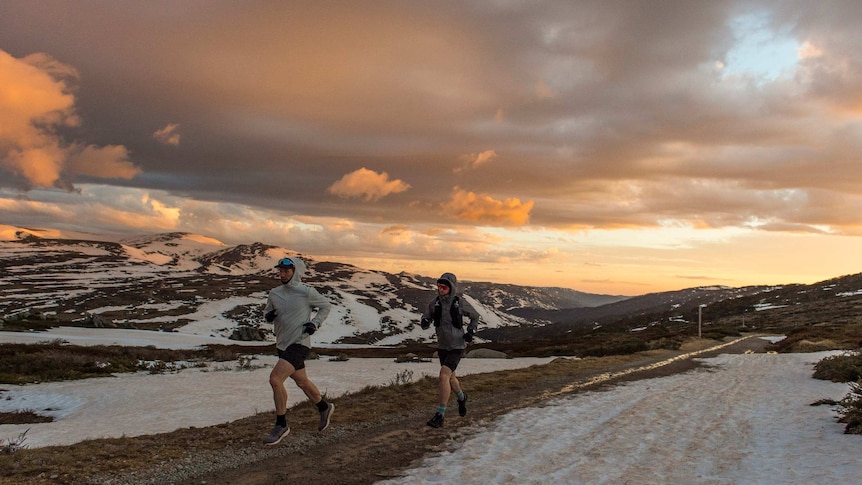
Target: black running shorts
295,355
450,358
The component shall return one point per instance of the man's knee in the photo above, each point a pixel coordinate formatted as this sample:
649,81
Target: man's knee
276,380
280,373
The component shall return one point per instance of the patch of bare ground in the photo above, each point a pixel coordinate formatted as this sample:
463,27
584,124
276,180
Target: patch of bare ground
375,433
24,417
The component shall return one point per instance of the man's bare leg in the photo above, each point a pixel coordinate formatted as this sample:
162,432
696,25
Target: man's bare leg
302,381
282,370
444,385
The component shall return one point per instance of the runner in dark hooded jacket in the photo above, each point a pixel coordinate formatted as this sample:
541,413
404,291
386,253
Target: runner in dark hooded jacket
447,312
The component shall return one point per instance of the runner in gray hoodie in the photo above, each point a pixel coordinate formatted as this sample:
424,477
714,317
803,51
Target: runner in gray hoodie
446,312
289,308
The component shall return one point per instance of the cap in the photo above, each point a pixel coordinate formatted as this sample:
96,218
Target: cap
285,263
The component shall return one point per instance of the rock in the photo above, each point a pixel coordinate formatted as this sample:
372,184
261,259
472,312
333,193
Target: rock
99,321
486,354
247,334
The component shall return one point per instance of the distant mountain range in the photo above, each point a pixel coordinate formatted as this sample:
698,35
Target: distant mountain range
189,283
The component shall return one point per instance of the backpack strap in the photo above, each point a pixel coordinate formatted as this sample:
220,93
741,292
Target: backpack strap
454,312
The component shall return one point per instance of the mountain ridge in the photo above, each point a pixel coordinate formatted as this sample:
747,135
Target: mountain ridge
188,283
166,281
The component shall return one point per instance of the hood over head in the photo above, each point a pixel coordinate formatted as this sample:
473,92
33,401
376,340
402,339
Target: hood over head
299,268
449,280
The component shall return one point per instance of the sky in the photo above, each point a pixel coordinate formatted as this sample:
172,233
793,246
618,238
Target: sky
733,421
612,147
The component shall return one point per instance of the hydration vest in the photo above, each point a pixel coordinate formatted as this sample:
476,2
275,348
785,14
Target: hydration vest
454,312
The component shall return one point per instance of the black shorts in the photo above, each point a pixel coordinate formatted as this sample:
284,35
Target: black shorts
295,355
450,358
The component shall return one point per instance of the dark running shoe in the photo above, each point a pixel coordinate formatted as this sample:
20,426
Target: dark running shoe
462,406
325,417
436,421
276,435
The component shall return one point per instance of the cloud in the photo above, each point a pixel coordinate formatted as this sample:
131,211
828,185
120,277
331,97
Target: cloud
34,212
396,230
35,102
38,105
92,208
484,209
40,164
474,160
110,161
367,184
808,50
168,135
484,157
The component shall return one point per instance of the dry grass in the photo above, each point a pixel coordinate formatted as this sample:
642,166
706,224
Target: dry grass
25,416
819,337
58,361
817,345
845,367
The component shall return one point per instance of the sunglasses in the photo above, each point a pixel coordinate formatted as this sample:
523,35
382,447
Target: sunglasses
285,262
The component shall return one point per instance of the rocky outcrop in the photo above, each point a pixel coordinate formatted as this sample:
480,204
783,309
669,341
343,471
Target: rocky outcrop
245,333
486,354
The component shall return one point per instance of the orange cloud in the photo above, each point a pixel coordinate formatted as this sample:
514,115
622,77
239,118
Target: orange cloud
35,100
484,157
484,209
111,161
473,160
168,135
367,184
397,229
40,165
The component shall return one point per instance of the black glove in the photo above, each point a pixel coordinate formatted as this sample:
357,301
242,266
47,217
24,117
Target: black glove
468,337
270,316
425,323
309,328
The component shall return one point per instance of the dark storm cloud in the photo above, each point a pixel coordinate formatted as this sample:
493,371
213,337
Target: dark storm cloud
599,114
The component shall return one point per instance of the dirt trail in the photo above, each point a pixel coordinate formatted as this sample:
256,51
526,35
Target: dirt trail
363,454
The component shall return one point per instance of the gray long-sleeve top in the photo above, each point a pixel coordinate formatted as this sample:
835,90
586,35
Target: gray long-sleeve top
294,304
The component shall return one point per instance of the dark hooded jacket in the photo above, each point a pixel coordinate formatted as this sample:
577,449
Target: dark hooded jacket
294,304
450,323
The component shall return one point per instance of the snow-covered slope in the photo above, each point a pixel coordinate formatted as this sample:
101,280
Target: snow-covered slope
193,284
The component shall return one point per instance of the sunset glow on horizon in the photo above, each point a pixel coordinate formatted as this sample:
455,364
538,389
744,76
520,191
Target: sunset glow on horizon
608,147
